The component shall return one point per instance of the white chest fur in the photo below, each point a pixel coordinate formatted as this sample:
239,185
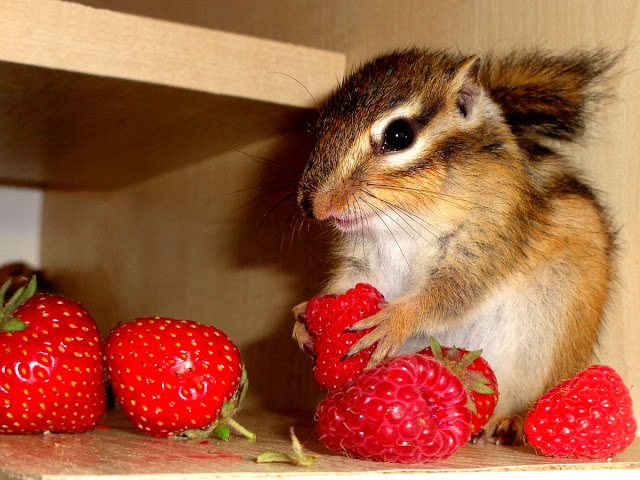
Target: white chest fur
395,259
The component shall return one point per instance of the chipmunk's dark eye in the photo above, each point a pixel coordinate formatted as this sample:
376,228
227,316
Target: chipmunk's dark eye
398,136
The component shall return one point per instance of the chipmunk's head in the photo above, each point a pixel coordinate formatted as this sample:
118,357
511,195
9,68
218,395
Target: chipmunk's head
391,133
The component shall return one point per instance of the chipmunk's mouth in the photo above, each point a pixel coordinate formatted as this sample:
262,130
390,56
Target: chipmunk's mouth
350,224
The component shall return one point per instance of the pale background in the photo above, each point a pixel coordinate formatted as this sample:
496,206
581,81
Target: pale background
20,216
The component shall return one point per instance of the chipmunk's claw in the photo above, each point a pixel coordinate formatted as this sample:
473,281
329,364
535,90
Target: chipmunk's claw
300,333
387,345
506,430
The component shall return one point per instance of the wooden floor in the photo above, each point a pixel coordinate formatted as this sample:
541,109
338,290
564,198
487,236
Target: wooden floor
116,450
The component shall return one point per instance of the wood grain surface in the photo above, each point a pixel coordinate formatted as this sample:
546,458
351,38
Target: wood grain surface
117,450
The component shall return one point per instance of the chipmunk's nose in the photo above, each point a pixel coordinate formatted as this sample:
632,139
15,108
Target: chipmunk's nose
305,203
316,205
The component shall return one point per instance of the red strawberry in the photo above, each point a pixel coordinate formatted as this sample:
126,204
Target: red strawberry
175,377
51,377
477,377
327,319
587,416
411,409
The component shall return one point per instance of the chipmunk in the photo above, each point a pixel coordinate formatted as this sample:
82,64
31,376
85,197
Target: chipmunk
437,171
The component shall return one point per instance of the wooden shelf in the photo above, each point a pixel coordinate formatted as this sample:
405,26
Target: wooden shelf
118,451
95,98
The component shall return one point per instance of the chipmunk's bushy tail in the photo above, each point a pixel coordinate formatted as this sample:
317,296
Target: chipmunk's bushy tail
545,95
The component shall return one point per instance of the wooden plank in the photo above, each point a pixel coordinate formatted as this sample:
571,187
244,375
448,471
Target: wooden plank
66,129
96,99
117,450
68,36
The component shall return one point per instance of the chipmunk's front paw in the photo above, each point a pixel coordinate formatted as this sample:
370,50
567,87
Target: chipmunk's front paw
506,430
300,333
389,332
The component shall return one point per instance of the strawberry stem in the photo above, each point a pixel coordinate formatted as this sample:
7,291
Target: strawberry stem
472,380
220,427
222,431
240,429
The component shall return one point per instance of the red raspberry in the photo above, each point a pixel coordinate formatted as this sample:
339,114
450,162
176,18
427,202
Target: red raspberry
587,416
327,319
411,409
477,377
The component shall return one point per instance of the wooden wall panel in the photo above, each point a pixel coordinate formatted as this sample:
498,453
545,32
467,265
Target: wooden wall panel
194,245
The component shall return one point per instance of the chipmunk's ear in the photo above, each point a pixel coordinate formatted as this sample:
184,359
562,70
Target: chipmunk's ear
467,85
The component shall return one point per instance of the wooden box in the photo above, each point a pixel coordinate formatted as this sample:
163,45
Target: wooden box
162,134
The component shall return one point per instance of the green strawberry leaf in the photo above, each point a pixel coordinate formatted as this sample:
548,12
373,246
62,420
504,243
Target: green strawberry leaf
223,424
8,323
453,354
3,291
13,325
471,404
297,458
242,387
275,456
436,348
222,431
481,388
470,357
21,295
475,378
